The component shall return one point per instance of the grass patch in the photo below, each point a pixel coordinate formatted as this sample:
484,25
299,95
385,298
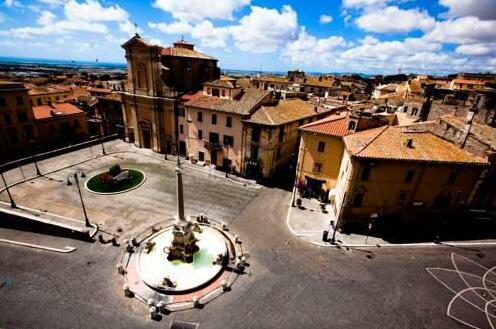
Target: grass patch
96,183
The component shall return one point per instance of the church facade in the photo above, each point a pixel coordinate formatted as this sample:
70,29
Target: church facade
157,79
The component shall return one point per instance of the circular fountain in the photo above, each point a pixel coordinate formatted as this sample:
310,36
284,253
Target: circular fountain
187,263
162,272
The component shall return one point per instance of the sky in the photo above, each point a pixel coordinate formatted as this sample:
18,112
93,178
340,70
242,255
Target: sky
367,36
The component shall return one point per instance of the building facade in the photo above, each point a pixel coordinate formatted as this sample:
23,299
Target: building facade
157,78
17,125
413,176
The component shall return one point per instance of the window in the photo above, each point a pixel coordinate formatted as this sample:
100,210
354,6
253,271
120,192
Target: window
229,122
254,153
2,102
199,116
317,167
357,199
321,147
214,138
57,98
39,102
200,134
214,119
13,135
409,176
255,134
215,92
365,173
180,112
7,118
201,156
223,93
281,133
401,198
209,91
22,117
181,129
351,125
141,76
19,100
28,130
452,178
228,140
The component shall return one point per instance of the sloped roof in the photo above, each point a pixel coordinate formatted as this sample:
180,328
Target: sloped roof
184,52
484,133
243,104
59,109
333,125
389,143
285,111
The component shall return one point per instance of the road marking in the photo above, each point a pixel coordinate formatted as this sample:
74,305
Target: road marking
66,250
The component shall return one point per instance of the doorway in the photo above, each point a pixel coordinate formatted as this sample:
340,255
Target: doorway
182,148
213,157
147,143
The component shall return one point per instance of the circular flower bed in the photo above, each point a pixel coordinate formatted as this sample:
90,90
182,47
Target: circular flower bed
105,183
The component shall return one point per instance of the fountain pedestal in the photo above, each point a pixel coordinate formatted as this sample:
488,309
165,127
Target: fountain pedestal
183,245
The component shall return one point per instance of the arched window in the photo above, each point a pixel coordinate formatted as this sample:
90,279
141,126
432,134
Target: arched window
141,76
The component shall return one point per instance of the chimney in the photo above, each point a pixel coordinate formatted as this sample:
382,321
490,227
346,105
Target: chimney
316,109
409,143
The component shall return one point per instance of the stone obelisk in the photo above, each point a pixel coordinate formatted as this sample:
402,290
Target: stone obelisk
184,242
179,192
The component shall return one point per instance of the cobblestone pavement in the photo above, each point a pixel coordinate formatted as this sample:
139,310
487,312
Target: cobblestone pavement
289,283
134,211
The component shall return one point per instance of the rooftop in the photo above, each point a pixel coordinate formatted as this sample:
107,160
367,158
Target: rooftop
333,125
243,104
223,82
390,143
59,109
182,51
286,111
484,133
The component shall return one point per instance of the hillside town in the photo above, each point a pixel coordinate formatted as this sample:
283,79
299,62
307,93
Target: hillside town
353,161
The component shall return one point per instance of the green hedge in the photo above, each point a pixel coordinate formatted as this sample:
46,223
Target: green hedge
97,183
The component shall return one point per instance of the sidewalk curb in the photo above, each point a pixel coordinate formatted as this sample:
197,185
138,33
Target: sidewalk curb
386,245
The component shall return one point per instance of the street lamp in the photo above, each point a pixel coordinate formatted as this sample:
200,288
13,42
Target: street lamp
12,203
101,135
75,175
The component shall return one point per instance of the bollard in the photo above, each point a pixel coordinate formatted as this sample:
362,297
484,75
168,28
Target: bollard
237,239
224,285
153,312
196,301
127,291
150,302
120,269
134,242
161,306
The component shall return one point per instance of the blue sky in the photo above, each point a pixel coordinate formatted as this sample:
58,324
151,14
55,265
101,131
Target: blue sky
370,36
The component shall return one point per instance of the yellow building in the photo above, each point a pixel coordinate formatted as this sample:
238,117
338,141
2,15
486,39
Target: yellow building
320,154
45,95
17,128
391,173
271,136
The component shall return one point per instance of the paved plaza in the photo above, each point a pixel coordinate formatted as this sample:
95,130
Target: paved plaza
289,283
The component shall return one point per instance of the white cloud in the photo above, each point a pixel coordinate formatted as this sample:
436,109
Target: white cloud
93,11
363,3
198,10
87,16
395,20
464,30
46,18
484,9
478,49
325,19
309,50
54,2
177,27
265,30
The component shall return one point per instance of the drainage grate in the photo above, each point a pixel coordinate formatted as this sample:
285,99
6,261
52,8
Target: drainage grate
178,324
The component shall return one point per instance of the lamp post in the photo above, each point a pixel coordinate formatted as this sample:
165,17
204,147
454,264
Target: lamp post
12,202
101,135
33,156
75,175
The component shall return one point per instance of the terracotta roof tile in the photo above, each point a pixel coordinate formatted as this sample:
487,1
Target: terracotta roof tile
45,111
243,104
286,111
184,52
334,125
389,143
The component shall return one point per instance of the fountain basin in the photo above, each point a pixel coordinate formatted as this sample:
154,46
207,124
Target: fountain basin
153,266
